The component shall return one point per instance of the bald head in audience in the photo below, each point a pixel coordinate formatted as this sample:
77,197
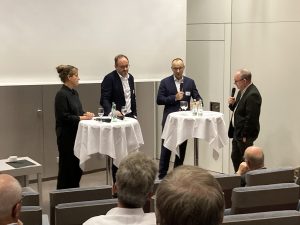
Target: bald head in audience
189,195
10,200
253,160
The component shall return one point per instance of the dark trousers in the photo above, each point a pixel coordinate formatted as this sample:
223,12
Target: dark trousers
165,156
69,171
238,149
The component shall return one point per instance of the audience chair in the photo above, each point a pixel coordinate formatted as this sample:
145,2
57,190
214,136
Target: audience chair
228,182
77,195
31,215
30,197
264,198
76,213
270,176
286,217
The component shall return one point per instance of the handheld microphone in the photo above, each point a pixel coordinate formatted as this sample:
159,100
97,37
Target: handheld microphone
232,92
181,86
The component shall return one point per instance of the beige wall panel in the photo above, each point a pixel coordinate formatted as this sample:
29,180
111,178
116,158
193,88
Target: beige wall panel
265,10
272,52
205,32
208,11
205,64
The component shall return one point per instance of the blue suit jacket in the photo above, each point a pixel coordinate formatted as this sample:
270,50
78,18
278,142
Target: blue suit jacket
167,92
112,91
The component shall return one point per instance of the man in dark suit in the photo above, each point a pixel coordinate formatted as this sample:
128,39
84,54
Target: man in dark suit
118,87
244,125
172,90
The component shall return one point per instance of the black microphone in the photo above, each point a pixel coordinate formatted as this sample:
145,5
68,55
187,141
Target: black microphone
232,92
181,86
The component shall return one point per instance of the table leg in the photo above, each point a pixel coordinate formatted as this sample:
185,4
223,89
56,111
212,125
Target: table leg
39,186
196,153
108,170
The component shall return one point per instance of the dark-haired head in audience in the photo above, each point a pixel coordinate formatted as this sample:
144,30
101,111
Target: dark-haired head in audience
189,195
10,200
253,160
134,183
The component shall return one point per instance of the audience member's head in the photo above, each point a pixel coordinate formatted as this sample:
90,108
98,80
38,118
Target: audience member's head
253,160
10,199
135,180
189,195
254,157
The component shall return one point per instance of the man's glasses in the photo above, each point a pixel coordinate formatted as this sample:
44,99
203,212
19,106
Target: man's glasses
236,81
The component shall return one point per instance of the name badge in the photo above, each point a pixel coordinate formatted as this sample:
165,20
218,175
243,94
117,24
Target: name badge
187,93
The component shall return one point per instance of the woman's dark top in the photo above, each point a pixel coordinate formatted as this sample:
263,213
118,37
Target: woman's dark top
68,108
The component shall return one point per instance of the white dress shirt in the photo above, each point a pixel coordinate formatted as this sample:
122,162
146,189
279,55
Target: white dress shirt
122,216
127,94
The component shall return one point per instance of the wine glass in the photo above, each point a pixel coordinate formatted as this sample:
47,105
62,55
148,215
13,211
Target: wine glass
100,112
124,110
183,105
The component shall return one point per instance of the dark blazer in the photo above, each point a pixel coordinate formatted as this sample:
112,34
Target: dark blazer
112,91
246,115
167,92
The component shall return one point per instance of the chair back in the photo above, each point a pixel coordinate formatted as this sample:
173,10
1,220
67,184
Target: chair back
228,182
270,176
77,195
286,217
30,197
264,198
76,213
31,215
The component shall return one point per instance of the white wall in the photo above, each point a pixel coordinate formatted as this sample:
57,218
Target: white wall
208,51
36,36
262,36
265,38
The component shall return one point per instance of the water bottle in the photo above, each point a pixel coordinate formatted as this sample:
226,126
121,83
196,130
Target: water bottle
200,108
194,108
113,112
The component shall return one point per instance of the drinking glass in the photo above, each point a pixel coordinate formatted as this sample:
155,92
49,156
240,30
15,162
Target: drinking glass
124,111
183,105
100,112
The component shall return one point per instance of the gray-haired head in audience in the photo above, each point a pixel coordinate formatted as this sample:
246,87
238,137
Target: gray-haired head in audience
191,196
10,199
135,180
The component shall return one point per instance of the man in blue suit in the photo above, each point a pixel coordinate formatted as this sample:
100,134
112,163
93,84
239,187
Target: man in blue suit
172,90
118,87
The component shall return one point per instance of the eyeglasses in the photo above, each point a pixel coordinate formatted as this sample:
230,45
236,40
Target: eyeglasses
177,68
124,67
236,81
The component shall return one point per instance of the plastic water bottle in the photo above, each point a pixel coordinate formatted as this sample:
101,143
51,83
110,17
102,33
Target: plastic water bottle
200,108
113,112
194,108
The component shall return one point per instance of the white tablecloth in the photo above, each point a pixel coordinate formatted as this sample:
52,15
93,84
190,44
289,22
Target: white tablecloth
181,126
115,139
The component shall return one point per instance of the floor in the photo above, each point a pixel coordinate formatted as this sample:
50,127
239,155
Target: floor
87,180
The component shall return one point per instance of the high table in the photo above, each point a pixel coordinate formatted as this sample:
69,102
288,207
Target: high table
35,168
182,125
115,139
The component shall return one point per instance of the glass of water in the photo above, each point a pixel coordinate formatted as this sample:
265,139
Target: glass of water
183,105
124,111
100,112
